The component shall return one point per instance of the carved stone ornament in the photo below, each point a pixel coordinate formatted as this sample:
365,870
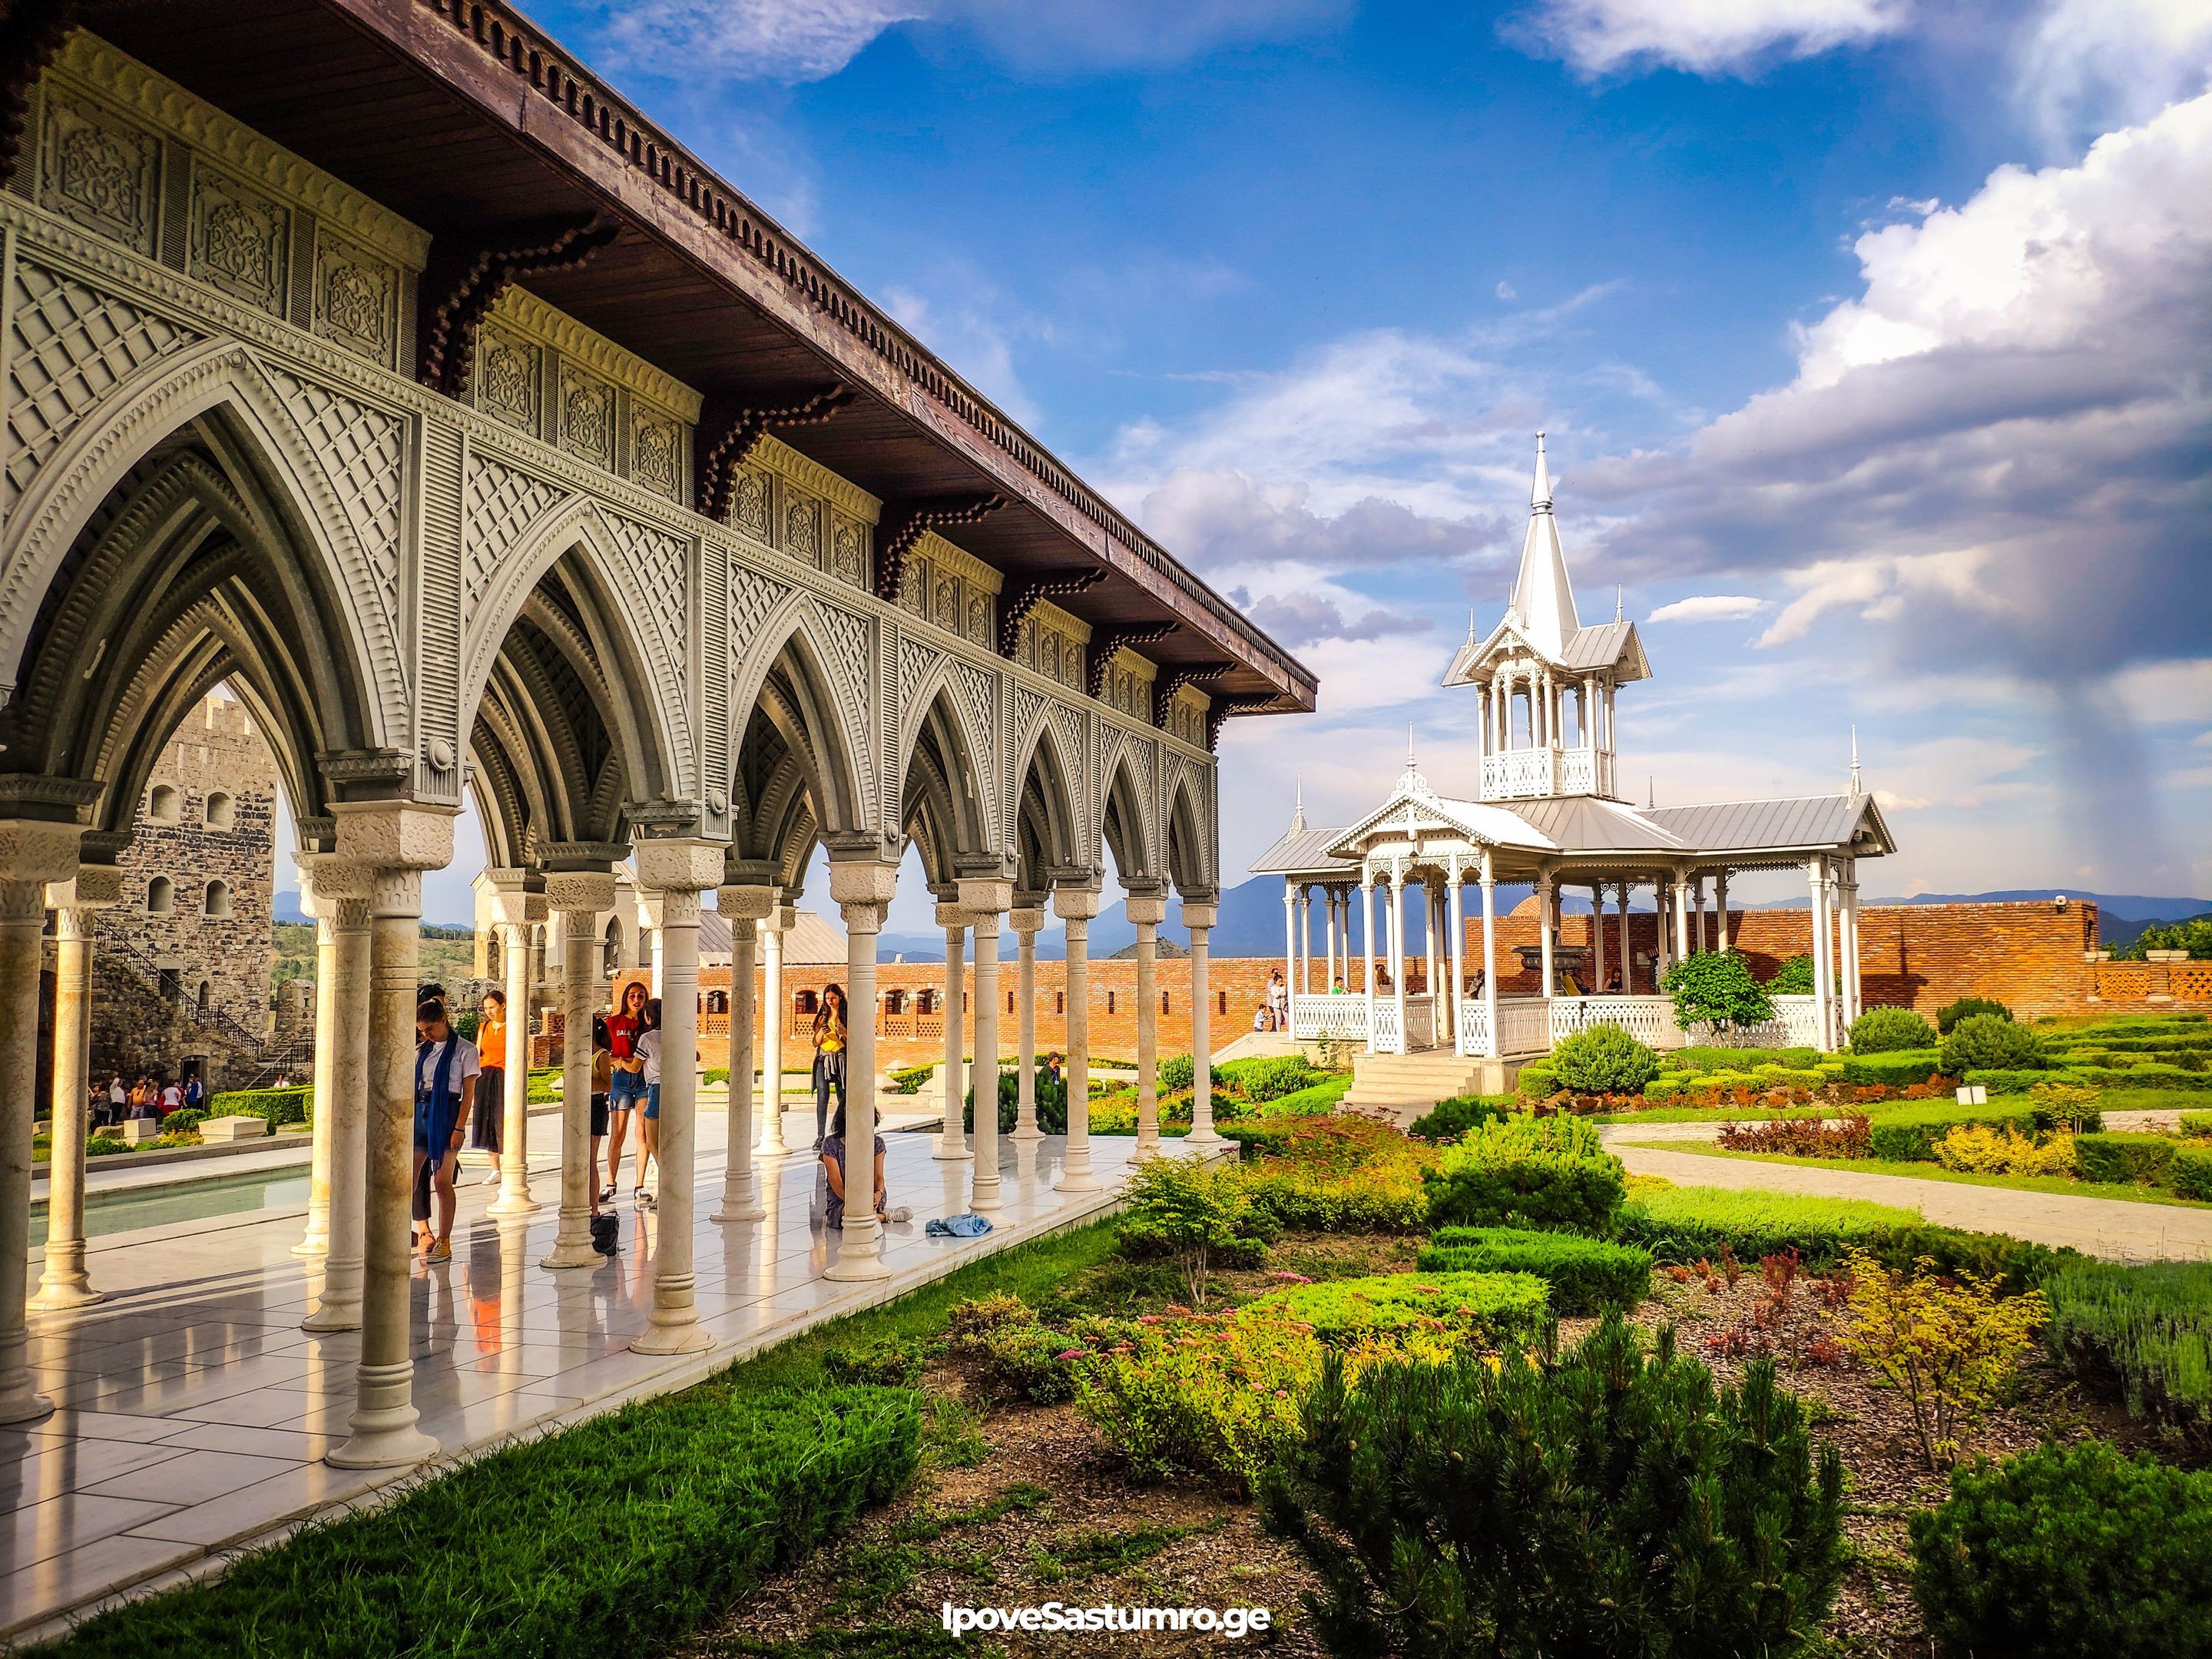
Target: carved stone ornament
652,455
354,298
241,242
507,385
802,535
101,172
587,418
748,503
579,892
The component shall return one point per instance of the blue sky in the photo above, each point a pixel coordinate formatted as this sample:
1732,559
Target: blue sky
1871,338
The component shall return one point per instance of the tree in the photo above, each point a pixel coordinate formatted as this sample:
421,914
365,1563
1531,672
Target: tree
1715,987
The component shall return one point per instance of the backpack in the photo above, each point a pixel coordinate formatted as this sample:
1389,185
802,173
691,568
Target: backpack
606,1234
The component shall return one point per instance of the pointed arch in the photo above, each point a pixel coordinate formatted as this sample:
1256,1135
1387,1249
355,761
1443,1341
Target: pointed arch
945,763
1050,823
802,675
1190,840
1125,819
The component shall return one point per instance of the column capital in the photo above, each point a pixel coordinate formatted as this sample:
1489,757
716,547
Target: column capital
1028,922
862,881
1145,909
579,892
325,878
395,835
950,916
677,864
515,901
1197,916
38,850
94,887
1074,903
987,895
746,903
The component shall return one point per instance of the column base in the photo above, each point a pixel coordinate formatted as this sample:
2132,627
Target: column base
739,1203
24,1404
313,1246
1209,1136
952,1154
1029,1133
573,1255
508,1204
384,1436
339,1307
1078,1180
858,1263
687,1338
58,1296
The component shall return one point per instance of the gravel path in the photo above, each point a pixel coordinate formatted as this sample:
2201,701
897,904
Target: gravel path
2110,1227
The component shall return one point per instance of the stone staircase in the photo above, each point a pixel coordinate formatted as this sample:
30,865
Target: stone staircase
1398,1088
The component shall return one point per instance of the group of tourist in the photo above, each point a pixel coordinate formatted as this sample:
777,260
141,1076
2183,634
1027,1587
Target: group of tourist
150,1096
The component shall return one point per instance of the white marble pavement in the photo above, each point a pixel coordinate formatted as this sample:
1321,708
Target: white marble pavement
193,1413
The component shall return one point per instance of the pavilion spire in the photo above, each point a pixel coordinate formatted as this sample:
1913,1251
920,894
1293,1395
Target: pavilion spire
1856,789
1298,811
1543,598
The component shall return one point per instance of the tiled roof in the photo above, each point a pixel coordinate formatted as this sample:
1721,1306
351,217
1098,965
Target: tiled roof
1300,850
1728,826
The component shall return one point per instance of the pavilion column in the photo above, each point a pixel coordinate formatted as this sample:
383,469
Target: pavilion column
1076,906
1458,924
1147,911
985,902
398,841
1367,949
521,911
315,1237
65,1282
1489,878
1337,931
861,888
1816,875
1597,938
1398,950
1627,950
951,1141
1027,922
343,893
678,870
578,897
1681,892
1289,934
1199,918
33,853
744,907
1855,991
775,1009
1720,904
1547,921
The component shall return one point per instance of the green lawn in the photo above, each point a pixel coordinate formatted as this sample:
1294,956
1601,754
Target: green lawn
2134,1194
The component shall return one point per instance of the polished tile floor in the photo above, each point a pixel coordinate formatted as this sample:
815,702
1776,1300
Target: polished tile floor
191,1411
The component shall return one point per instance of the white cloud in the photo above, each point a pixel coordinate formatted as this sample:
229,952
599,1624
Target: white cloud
1705,37
2085,66
789,41
1710,607
1507,291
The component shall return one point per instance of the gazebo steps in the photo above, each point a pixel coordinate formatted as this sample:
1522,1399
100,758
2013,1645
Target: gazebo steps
1402,1087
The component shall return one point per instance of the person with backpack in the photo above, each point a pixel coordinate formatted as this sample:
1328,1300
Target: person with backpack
445,1071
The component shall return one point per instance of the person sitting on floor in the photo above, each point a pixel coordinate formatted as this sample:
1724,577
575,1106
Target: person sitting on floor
832,1164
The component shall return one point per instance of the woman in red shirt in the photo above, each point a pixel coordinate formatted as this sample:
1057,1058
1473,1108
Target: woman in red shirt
626,1085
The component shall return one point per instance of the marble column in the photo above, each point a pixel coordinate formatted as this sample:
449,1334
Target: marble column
951,1140
1145,912
1076,906
315,1238
985,902
775,1008
1457,923
1547,920
580,897
402,844
344,891
679,870
1720,905
519,912
64,1282
1489,878
744,907
861,889
1367,951
1198,919
1027,922
33,853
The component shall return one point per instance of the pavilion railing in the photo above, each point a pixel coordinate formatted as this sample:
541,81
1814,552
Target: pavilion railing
1523,1025
1319,1015
1420,1025
1389,1035
1474,1026
1795,1024
1650,1020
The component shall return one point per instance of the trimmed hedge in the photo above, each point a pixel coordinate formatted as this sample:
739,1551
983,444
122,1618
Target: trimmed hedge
1691,1223
1448,1119
2066,1552
1998,1082
2123,1159
276,1107
2191,1172
2196,1123
1537,1080
1527,1172
1887,1030
1704,1058
1901,1070
2138,1077
1586,1275
1909,1135
1491,1309
618,1537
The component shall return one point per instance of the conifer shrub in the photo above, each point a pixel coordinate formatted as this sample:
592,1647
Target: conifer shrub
1613,1501
1584,1275
1448,1119
2148,1327
1966,1008
1603,1059
1982,1042
1177,1072
1887,1030
2066,1552
1528,1172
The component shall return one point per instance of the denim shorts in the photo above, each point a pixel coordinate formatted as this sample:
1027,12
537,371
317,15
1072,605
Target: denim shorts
625,1090
653,1100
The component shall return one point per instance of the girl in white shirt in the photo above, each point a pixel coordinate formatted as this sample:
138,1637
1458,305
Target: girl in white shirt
648,1050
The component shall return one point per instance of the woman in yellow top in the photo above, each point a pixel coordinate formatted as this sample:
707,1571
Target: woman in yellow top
829,1058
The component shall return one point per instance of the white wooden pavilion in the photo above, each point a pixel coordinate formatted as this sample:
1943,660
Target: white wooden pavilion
1547,813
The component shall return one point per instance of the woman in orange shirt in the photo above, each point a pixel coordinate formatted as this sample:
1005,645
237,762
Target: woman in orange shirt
488,1118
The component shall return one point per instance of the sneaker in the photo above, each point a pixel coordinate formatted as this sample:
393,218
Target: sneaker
646,1201
439,1250
491,1180
607,1196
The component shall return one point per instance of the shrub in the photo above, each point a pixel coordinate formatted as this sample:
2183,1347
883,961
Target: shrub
2013,1264
1198,1214
1536,1081
1909,1134
2138,1160
1448,1119
1985,1041
2063,1106
1340,1174
1528,1172
1899,1069
2069,1551
2150,1327
1214,1396
1178,1072
618,1537
1603,1059
1947,1343
2191,1172
1799,1137
1984,1150
1610,1502
1715,989
888,1362
545,1085
1794,978
1270,1077
105,1145
1691,1223
2196,1123
1434,1312
908,1079
184,1119
1314,1100
1027,1360
276,1107
1966,1008
1585,1275
1887,1030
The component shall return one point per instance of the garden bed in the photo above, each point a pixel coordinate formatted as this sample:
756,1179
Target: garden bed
2130,1193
